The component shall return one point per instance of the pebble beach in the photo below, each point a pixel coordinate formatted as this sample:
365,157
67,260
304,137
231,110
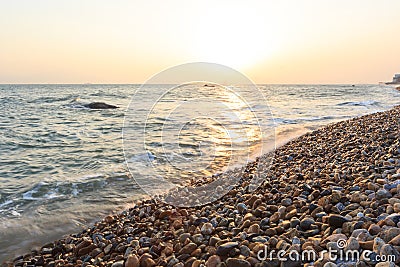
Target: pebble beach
340,182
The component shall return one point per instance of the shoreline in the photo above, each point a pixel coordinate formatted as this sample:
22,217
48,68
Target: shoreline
342,192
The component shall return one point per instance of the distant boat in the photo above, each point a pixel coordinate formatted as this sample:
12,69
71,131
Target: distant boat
209,85
396,79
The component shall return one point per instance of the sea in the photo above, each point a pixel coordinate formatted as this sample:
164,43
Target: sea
64,166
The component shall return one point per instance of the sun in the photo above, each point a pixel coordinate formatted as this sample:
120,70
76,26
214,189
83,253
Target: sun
234,38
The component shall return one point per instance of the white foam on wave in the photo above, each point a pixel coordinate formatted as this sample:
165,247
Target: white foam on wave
52,195
142,157
28,195
15,213
7,202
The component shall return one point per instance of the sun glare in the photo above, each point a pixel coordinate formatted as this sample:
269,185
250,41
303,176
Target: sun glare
236,40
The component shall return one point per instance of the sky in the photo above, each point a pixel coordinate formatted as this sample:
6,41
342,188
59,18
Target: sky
286,41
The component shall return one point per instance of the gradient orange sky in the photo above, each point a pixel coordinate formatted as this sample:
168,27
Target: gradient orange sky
298,41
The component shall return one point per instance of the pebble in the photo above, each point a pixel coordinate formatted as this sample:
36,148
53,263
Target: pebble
213,261
378,244
374,229
395,217
296,241
336,221
107,249
118,264
294,222
132,261
306,223
245,251
254,229
385,264
188,249
382,194
109,219
389,233
226,248
242,208
395,241
396,207
352,244
207,229
340,206
234,262
286,202
332,246
387,250
148,262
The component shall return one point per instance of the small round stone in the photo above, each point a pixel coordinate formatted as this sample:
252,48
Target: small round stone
213,261
306,223
254,229
207,229
242,208
234,262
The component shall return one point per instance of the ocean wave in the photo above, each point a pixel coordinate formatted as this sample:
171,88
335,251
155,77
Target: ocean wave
316,118
33,193
76,105
52,99
301,120
46,192
359,103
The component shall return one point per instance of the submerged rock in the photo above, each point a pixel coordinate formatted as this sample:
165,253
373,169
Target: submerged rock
100,105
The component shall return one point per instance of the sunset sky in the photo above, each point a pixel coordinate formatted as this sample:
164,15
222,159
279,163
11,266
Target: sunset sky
96,41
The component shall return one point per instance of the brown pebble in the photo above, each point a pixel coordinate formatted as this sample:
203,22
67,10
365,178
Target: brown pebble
374,229
188,249
395,241
234,262
109,219
132,261
254,229
213,261
148,262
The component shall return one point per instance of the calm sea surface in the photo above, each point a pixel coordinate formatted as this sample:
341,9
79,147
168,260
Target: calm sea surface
62,166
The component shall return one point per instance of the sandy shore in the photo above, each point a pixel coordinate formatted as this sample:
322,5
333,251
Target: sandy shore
339,183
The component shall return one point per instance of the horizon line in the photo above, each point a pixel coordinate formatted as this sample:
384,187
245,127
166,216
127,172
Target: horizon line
377,83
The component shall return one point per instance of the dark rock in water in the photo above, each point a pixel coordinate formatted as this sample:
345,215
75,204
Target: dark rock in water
100,105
